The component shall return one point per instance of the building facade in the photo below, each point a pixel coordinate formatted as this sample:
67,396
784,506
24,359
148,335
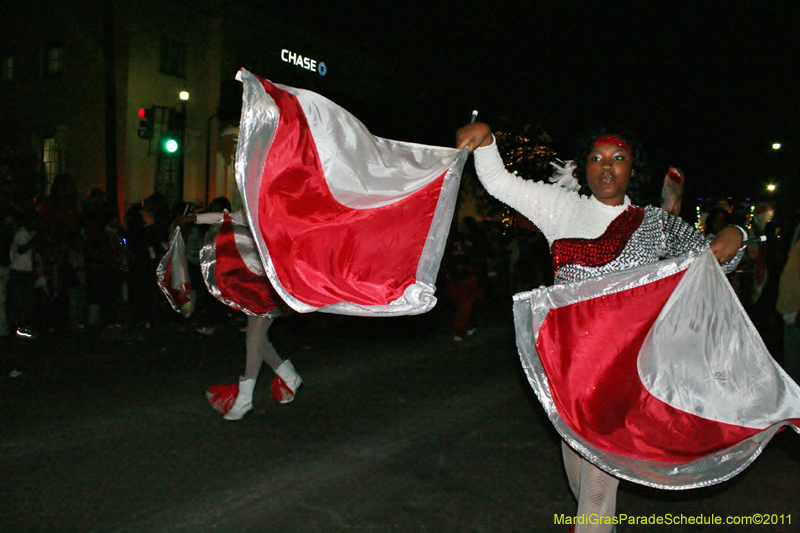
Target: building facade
75,76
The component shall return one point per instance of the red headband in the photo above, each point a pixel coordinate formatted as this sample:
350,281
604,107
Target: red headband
610,139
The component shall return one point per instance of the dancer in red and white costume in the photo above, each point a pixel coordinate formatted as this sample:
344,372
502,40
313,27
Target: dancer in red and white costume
592,235
234,274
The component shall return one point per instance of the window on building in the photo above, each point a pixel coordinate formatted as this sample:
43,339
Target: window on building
53,60
7,68
51,158
173,58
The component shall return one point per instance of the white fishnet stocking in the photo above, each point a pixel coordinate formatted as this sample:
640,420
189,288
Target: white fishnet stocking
259,349
595,490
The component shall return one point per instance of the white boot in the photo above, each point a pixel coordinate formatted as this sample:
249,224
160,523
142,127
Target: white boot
286,383
244,400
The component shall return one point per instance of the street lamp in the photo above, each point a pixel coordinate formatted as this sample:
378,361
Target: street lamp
776,146
184,97
771,187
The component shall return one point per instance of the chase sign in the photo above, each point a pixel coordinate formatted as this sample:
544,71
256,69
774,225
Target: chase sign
304,62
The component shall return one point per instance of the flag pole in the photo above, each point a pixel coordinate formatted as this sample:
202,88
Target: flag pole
757,240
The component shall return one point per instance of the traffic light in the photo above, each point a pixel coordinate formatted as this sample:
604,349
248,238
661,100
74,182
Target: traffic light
171,142
146,122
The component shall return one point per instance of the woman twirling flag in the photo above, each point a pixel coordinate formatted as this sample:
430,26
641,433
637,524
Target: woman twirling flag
648,367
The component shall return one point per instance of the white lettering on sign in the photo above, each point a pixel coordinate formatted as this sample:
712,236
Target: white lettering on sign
303,62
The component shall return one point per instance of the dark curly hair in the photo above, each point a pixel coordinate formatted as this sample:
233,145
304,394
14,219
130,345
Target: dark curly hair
640,179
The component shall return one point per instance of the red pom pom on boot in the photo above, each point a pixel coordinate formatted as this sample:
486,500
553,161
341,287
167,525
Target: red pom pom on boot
285,383
222,396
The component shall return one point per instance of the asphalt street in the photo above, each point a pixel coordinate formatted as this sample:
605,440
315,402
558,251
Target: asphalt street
397,428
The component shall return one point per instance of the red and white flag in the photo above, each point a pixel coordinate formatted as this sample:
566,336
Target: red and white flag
344,222
656,374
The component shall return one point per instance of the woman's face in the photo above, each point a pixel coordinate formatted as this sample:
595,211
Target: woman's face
608,171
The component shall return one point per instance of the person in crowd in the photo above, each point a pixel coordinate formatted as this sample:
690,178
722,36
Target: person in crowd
74,281
788,305
466,275
137,258
764,213
60,240
514,250
20,293
767,259
146,234
6,237
105,260
610,168
59,211
718,219
530,259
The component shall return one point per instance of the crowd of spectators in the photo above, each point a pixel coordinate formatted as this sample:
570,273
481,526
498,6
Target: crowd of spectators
68,265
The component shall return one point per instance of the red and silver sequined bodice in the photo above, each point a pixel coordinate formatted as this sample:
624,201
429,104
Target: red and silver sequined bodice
638,236
587,237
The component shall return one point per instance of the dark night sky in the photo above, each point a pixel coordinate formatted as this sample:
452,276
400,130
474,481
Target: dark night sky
708,86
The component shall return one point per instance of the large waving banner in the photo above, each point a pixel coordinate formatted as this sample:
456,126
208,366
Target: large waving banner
656,375
345,222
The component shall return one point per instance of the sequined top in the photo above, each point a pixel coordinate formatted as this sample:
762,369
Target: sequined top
587,237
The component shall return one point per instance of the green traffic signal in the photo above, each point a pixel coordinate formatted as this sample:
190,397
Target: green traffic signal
171,146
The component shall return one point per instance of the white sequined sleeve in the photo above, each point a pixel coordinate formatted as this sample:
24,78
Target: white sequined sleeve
546,205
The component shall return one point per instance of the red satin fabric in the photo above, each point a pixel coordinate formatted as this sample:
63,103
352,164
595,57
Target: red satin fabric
604,249
235,281
589,351
324,252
